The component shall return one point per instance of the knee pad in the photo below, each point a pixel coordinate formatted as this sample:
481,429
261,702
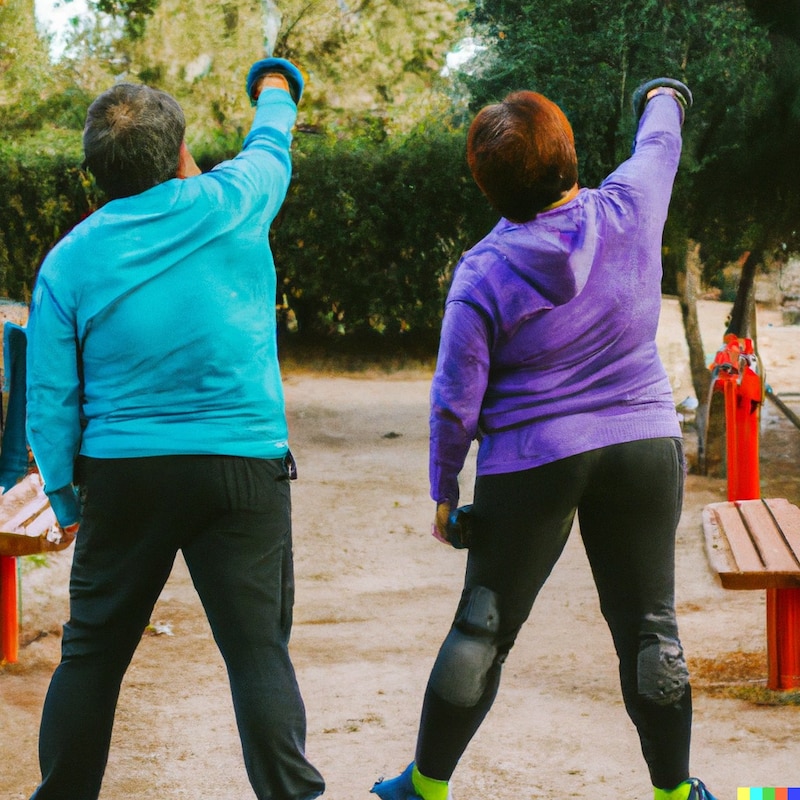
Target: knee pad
662,672
460,673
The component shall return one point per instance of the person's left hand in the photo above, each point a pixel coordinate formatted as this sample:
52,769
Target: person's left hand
679,90
439,528
271,79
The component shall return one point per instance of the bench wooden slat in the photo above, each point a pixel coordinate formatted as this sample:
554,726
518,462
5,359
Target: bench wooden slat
744,551
25,517
787,517
717,548
754,544
767,537
40,522
27,522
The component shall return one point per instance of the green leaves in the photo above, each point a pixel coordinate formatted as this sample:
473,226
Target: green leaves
44,195
371,231
134,14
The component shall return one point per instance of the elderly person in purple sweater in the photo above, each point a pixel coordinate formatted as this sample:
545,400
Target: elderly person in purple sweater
548,359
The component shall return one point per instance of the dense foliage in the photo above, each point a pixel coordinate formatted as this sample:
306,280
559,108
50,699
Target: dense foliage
358,247
44,195
370,232
367,63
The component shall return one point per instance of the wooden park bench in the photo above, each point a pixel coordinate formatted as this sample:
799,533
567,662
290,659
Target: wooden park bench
755,544
27,523
27,527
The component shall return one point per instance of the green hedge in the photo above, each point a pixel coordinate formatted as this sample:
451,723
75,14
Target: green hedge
370,232
364,244
44,195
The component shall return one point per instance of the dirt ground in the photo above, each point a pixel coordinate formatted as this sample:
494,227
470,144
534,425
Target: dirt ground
375,593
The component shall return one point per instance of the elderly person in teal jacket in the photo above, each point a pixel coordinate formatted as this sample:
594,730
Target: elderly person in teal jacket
156,417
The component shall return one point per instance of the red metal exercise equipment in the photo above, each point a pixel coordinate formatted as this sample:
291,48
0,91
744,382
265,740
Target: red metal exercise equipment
9,610
738,376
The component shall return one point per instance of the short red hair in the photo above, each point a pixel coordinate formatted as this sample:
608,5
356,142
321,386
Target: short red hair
521,153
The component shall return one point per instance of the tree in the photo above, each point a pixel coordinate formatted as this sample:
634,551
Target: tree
372,65
23,54
588,56
748,195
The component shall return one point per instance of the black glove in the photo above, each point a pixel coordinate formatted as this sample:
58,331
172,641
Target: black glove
276,65
639,99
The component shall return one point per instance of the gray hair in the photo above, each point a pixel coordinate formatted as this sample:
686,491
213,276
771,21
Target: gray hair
132,139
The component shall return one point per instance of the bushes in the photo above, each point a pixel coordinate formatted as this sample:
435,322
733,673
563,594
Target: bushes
370,232
364,244
44,195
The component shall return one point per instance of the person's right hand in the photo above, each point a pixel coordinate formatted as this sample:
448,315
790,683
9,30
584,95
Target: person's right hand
679,90
66,507
68,533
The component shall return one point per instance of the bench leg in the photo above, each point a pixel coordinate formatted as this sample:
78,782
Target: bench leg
9,613
783,639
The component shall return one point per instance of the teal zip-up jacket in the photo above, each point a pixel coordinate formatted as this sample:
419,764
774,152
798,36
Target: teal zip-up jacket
152,327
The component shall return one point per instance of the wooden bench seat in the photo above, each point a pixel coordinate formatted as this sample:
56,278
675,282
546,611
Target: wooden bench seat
27,522
754,544
27,527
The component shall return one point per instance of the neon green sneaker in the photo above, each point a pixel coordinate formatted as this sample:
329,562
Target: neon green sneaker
691,789
699,790
411,785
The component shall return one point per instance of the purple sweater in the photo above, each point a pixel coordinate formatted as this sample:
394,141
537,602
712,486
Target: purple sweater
548,339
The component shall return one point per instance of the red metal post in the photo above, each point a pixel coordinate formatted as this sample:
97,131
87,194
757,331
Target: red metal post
738,378
750,397
783,639
9,613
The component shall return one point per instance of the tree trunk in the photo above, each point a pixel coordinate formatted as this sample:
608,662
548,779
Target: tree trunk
689,283
743,314
710,419
688,286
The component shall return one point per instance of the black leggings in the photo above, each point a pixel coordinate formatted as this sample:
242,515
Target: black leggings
628,499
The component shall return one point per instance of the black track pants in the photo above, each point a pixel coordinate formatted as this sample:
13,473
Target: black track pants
231,518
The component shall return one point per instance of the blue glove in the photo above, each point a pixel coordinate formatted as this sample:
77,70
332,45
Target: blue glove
66,506
639,98
283,67
459,527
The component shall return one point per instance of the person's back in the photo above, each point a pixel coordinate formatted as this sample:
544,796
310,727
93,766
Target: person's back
571,301
172,292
